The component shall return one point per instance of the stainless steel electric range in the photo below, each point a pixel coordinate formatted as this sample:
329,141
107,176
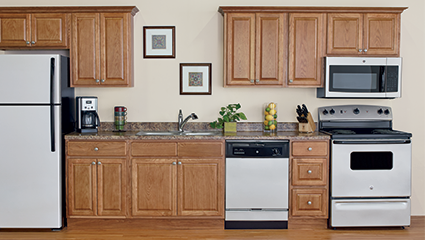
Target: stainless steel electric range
370,167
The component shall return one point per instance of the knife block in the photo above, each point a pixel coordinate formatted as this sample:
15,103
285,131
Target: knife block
308,127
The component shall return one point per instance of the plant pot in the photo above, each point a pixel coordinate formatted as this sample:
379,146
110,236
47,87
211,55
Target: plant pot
230,127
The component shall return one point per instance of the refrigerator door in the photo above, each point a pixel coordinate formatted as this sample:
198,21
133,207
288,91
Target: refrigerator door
30,172
27,79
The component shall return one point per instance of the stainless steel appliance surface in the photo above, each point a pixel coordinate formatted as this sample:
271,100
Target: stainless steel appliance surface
370,167
87,117
257,179
361,77
37,108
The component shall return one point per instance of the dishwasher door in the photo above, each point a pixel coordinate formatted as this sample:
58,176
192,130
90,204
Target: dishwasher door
257,183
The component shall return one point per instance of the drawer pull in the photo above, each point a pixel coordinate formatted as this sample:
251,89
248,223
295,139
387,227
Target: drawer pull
309,171
310,148
93,163
96,149
174,163
309,202
180,163
99,163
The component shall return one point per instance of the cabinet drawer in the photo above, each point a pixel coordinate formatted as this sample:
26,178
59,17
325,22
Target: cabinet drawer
200,149
310,202
310,148
307,172
160,149
96,148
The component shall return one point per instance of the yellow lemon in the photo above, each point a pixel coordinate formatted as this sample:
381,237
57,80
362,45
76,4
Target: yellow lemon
272,105
266,113
269,117
266,122
272,127
272,112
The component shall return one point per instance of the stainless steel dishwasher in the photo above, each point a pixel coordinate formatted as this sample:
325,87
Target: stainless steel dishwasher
257,184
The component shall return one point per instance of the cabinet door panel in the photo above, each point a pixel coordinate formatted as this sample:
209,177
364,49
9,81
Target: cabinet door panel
201,187
270,31
306,34
49,30
85,50
240,62
345,33
81,187
114,49
382,34
15,30
310,202
111,179
153,187
308,172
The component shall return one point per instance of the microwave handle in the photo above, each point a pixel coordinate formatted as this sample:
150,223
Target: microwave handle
383,84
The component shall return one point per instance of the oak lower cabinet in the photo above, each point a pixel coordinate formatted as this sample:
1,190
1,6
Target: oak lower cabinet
96,179
309,190
101,49
177,179
254,47
38,30
307,36
364,34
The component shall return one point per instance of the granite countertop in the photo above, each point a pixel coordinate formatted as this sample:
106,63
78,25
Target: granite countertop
245,131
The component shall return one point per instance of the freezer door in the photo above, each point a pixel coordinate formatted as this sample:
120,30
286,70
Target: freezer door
30,172
26,79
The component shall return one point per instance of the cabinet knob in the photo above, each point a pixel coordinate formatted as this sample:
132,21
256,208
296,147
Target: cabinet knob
93,163
257,80
97,80
309,202
103,80
252,80
32,42
27,42
174,163
99,163
180,163
365,50
309,171
96,149
290,80
310,148
360,50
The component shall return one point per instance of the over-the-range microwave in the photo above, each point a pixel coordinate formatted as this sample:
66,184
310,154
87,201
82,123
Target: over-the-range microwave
361,77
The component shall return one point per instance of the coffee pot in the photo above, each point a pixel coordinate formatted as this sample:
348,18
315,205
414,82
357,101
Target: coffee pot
87,117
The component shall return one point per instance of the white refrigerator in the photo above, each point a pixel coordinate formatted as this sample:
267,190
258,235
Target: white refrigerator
36,110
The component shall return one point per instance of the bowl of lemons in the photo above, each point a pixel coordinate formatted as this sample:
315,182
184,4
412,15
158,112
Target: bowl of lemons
270,117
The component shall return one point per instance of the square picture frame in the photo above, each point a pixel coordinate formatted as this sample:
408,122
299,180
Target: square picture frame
159,42
195,79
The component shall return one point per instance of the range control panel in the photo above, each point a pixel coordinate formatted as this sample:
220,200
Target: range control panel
257,148
355,112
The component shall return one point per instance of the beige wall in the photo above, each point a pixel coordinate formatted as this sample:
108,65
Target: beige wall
199,38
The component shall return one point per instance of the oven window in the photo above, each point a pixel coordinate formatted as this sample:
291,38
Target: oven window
371,161
356,78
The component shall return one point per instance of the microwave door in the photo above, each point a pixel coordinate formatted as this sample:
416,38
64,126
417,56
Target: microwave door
393,78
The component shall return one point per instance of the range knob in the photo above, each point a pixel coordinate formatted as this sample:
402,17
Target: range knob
380,111
332,111
356,111
276,151
386,112
325,112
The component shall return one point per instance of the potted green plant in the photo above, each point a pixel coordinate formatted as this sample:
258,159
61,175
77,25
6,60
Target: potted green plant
228,118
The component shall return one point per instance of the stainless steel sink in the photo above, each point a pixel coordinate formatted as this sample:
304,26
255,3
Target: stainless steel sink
177,133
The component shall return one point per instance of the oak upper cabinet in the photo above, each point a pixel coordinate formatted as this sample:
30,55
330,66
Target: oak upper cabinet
254,49
96,182
364,34
306,49
41,30
102,50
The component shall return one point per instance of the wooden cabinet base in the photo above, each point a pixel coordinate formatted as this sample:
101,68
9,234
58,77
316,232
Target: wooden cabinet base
168,224
305,223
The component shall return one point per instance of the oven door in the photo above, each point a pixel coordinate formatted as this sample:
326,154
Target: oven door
371,168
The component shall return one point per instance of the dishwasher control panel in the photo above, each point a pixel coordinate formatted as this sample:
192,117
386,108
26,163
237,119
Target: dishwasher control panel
257,148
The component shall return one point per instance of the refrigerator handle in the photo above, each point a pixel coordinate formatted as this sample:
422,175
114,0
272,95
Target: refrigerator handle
52,105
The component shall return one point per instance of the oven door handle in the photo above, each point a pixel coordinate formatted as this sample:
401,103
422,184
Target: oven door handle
406,141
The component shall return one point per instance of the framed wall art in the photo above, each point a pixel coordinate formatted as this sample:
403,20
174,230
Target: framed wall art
159,42
195,79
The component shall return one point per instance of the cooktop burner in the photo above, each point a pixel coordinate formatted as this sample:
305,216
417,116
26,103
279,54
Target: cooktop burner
365,133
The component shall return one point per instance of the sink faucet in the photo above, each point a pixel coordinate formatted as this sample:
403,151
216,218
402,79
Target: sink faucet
183,122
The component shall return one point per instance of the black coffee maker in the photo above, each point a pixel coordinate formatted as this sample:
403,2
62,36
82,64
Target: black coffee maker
87,118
